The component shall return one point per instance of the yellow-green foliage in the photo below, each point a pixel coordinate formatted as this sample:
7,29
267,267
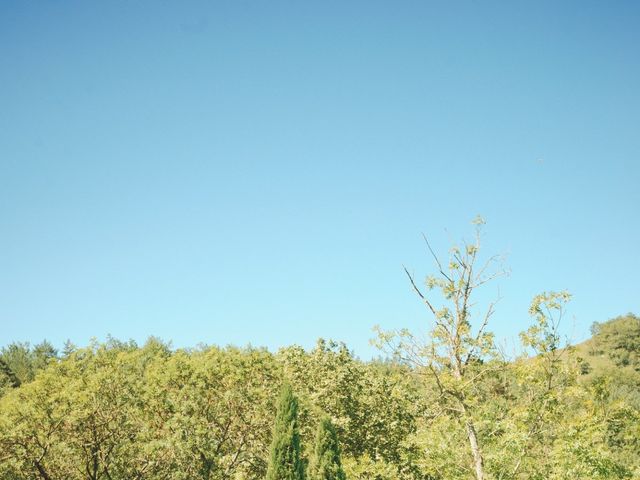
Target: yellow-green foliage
119,411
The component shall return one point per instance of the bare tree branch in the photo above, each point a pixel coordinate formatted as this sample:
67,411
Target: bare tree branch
417,290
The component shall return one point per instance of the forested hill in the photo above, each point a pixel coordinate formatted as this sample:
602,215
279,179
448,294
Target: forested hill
614,347
116,410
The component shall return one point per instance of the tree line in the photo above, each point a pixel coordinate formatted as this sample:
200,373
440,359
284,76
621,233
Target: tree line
118,410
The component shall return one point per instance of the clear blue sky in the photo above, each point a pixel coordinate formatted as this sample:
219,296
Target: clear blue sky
234,172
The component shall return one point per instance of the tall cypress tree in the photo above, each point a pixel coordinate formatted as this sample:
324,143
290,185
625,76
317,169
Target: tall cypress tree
325,463
284,462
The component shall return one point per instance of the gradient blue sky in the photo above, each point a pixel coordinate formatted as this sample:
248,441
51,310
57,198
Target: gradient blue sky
235,172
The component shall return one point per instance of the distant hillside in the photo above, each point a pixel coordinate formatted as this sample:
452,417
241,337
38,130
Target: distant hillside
614,347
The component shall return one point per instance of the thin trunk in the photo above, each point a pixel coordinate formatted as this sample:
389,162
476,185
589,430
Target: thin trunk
207,466
472,435
43,473
478,461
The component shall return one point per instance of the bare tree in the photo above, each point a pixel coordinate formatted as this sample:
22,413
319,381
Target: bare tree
457,352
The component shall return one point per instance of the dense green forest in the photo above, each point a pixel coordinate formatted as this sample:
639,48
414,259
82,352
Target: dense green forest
448,405
116,410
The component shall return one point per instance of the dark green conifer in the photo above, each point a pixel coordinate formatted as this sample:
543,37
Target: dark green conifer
284,461
7,377
325,462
